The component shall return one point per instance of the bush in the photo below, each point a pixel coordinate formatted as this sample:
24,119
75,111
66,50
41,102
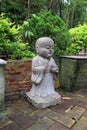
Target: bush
79,39
49,25
20,51
10,44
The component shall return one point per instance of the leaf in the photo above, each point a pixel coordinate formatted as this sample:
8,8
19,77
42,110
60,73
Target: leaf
69,109
66,98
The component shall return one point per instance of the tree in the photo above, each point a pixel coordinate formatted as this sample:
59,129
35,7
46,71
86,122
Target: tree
75,12
15,10
72,12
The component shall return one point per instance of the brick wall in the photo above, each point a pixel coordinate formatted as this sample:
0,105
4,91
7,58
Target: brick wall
18,75
18,79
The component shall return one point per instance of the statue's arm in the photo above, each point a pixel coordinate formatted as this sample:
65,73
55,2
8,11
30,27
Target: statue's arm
54,68
37,72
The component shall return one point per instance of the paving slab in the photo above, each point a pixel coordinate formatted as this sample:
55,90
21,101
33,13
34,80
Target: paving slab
12,126
61,108
24,106
22,120
21,115
76,113
64,120
4,120
85,113
81,124
57,126
44,124
40,113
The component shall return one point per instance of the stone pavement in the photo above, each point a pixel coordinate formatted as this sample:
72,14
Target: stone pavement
71,114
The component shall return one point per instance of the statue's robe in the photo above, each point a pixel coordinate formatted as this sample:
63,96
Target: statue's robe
42,76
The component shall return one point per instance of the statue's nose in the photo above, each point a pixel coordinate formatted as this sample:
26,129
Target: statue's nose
50,50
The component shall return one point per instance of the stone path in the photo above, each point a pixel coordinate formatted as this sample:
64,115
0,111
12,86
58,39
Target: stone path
71,114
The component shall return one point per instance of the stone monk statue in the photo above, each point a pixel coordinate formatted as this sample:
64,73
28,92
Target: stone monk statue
44,72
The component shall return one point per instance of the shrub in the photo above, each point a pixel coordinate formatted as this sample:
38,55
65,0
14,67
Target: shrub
20,51
79,39
49,25
10,44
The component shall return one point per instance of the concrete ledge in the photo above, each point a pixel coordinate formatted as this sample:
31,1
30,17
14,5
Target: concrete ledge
73,72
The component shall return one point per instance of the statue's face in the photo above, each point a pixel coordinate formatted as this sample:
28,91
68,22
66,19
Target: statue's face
46,50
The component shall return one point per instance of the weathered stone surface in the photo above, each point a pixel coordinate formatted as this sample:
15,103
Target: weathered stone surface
22,120
76,113
12,126
58,126
64,120
73,72
2,84
23,106
43,124
4,120
40,102
85,114
44,72
81,124
40,113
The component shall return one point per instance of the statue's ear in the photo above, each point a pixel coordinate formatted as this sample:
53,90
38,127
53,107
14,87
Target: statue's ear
37,49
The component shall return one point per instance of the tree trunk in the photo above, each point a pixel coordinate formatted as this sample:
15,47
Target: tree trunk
50,5
28,8
67,16
0,6
60,8
72,16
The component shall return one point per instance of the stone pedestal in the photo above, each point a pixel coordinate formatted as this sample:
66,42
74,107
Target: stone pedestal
2,85
48,101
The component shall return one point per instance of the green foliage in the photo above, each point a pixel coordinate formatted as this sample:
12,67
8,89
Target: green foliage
79,38
15,10
10,44
78,14
49,25
20,51
8,30
73,12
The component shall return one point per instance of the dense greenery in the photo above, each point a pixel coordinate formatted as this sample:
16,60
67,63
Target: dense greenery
72,12
79,39
10,45
39,18
46,24
14,9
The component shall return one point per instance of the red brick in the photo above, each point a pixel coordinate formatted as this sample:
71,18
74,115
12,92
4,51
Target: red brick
22,77
7,77
14,85
21,65
18,75
30,73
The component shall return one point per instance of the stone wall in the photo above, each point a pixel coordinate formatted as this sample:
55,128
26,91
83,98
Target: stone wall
18,75
2,84
73,72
